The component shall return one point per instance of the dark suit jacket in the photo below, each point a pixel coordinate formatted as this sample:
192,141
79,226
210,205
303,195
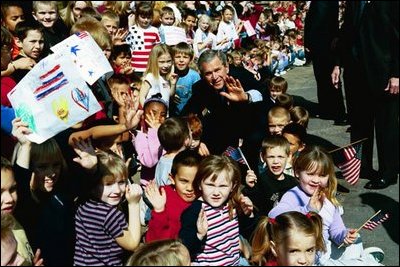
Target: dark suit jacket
373,38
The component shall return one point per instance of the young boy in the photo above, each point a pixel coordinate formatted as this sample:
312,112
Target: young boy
31,40
174,136
121,59
277,86
183,54
189,18
278,117
167,18
273,182
296,135
171,200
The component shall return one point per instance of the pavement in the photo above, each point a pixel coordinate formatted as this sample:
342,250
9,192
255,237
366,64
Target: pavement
359,204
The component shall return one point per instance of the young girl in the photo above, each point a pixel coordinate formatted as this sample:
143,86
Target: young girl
317,192
203,39
166,252
159,76
291,239
210,226
102,232
142,37
228,33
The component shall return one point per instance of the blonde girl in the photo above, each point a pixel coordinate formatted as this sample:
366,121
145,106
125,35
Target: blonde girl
291,239
102,232
159,76
203,39
316,192
72,12
210,226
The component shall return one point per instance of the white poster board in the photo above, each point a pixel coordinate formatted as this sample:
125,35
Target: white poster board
52,97
87,56
174,35
249,28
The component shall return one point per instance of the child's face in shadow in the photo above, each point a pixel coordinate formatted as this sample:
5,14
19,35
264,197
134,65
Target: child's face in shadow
276,125
183,182
297,250
157,109
47,173
8,191
295,143
122,59
274,92
276,159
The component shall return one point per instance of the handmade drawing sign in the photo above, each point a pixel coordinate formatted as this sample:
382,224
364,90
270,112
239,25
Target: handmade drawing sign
52,97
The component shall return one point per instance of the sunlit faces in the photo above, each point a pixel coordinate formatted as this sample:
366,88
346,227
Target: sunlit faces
297,250
168,19
227,16
190,22
13,15
46,14
9,254
144,21
276,125
47,173
214,73
112,190
77,9
110,25
204,24
122,59
311,180
183,182
276,159
158,109
216,193
181,61
33,44
164,64
8,191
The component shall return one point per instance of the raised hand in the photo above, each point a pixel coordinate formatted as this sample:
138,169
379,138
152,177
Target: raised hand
86,155
119,37
37,261
152,121
157,197
133,193
20,130
251,178
234,90
202,225
132,114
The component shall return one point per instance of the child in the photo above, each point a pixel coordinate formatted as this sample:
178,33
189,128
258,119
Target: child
142,37
182,54
11,14
272,182
110,21
167,252
9,254
8,203
210,226
296,135
174,136
54,29
159,76
170,201
146,142
30,37
121,59
278,117
196,130
316,191
285,101
300,115
203,39
277,86
167,18
101,228
189,18
227,31
291,239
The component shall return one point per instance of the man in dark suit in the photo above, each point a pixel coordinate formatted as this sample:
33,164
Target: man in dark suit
320,31
369,45
221,102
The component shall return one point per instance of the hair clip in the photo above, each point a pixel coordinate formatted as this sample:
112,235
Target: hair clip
271,220
308,215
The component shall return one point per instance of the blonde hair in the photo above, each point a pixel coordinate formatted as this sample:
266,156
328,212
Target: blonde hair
152,65
110,167
67,15
110,15
96,30
167,252
280,229
300,115
278,112
316,160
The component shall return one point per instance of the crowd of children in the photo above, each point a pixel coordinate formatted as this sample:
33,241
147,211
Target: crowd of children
143,182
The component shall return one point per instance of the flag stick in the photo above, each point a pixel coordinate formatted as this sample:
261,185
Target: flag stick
245,160
363,225
361,140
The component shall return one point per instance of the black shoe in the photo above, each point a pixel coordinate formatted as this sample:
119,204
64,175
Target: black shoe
378,184
340,122
342,189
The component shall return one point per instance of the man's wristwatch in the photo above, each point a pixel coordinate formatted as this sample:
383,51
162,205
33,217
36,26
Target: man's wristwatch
249,99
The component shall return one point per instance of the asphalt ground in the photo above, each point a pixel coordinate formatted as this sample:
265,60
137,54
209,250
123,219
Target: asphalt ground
360,203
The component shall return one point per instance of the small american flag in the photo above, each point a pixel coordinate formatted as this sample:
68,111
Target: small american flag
81,35
234,153
375,221
350,163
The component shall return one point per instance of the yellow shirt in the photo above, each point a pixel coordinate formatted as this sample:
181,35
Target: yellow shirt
23,247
